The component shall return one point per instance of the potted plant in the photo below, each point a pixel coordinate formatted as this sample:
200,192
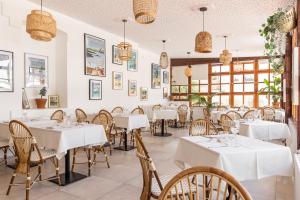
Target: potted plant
273,90
41,102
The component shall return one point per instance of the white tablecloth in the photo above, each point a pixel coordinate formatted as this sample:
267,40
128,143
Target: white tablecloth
131,121
60,138
265,130
165,114
249,159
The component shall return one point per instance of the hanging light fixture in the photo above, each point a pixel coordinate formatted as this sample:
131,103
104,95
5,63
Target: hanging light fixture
203,42
164,59
41,25
225,56
125,49
188,69
145,11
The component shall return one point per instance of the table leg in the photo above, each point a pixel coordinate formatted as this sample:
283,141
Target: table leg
163,133
68,177
125,147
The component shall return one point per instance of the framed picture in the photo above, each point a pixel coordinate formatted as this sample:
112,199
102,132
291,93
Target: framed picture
165,77
117,81
115,56
132,88
6,71
132,63
36,71
144,94
155,76
53,101
165,93
95,89
94,56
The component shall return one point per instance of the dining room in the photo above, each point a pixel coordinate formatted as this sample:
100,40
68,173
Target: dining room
149,99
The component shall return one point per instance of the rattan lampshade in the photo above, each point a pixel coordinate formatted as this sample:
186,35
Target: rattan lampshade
188,71
145,11
203,41
125,49
164,59
41,25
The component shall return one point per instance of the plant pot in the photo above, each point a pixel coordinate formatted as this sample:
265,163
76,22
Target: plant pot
41,103
276,105
287,21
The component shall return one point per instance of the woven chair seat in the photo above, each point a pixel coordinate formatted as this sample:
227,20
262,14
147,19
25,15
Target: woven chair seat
46,154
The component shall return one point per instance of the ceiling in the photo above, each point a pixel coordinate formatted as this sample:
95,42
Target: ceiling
178,21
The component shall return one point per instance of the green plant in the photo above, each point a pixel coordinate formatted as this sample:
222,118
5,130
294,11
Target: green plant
273,89
43,92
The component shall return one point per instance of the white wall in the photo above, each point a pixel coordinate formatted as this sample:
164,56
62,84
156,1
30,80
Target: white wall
70,81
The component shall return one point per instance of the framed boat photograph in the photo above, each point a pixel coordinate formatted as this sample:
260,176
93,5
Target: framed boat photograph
95,89
155,76
36,71
165,77
115,55
94,56
132,63
53,101
117,81
132,88
6,71
165,93
143,94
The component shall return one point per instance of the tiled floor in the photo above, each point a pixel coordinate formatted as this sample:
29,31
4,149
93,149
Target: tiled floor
123,181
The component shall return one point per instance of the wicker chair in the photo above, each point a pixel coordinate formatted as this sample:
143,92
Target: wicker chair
58,115
27,152
4,146
203,127
226,122
81,116
221,108
211,183
249,114
234,115
138,110
117,109
268,114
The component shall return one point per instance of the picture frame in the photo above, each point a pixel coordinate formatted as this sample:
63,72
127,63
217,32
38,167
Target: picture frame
165,77
165,93
53,101
95,89
144,94
7,70
115,56
155,76
36,70
117,81
133,62
94,56
132,88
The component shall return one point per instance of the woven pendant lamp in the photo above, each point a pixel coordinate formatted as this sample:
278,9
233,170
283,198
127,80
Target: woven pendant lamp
225,56
41,25
188,69
125,49
164,59
145,11
203,41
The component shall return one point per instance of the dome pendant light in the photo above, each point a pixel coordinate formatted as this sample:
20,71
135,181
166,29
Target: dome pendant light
188,69
164,59
226,56
203,41
125,49
145,11
40,25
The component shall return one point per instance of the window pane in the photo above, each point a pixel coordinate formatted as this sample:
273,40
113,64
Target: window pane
248,67
225,68
183,89
215,88
262,100
215,69
216,100
204,88
203,81
238,100
238,88
238,67
249,78
215,79
195,88
248,100
262,77
225,88
175,89
249,88
238,78
225,100
225,79
195,81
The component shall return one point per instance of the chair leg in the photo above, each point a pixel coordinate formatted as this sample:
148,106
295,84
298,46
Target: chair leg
57,171
11,182
74,159
40,172
27,185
